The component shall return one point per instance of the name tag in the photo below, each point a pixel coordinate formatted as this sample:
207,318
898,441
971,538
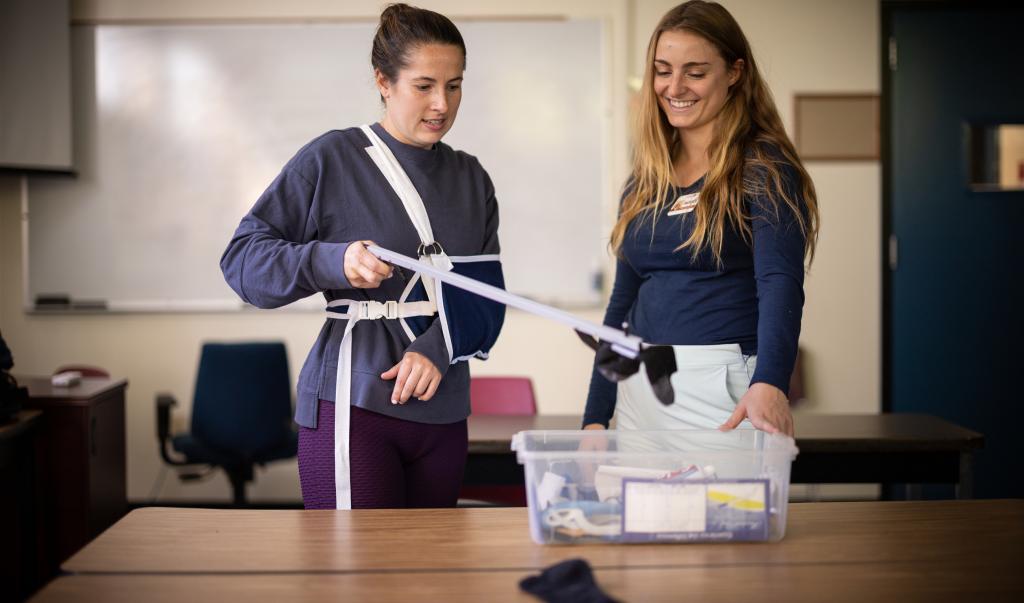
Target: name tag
684,204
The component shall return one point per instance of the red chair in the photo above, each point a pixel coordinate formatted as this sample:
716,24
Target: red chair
87,371
500,396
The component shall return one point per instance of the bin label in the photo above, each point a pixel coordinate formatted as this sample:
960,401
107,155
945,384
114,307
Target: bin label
694,509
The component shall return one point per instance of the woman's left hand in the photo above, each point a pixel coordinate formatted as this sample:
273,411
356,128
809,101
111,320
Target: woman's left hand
766,407
417,376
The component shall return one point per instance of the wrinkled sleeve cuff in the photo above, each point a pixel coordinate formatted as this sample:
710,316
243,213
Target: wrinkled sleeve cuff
328,261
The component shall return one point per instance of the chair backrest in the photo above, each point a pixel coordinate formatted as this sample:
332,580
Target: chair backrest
87,371
243,397
502,396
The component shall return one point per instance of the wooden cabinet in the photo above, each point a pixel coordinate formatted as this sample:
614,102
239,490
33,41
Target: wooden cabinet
81,462
21,566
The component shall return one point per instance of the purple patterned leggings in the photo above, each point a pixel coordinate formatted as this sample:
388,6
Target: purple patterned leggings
394,463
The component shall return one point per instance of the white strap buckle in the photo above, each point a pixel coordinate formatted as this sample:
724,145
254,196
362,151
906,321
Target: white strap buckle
372,310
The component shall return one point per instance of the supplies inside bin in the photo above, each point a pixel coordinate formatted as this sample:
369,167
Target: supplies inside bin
654,486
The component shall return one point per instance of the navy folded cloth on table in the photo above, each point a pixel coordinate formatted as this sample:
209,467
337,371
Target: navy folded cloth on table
568,581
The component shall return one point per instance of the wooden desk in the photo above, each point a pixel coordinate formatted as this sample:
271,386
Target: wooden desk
884,448
82,464
856,583
211,540
840,551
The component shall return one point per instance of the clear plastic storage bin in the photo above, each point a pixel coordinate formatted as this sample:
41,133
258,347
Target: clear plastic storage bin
655,486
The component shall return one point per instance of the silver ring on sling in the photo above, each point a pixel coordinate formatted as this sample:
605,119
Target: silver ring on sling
429,249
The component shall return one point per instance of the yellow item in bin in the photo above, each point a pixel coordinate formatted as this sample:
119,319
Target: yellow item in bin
721,496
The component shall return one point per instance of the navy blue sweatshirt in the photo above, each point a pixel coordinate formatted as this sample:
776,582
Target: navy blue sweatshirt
754,298
292,245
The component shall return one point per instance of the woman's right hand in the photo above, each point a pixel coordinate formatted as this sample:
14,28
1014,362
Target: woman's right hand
362,269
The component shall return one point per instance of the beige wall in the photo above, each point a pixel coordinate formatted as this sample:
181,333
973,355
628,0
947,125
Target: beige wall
1011,156
802,45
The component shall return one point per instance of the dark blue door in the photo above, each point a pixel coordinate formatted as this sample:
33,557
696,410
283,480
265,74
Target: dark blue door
954,296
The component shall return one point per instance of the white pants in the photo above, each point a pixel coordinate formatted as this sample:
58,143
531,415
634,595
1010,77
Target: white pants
708,383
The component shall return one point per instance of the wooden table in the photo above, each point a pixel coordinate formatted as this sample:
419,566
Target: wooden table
883,448
967,550
896,582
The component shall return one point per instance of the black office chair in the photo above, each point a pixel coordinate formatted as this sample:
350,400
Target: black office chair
241,413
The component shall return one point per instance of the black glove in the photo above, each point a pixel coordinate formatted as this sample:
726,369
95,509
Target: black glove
570,581
658,360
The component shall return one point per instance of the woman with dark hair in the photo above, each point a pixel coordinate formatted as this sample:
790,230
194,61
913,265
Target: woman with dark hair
714,227
382,409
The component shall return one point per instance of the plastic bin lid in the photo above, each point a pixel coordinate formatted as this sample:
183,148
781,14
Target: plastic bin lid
579,443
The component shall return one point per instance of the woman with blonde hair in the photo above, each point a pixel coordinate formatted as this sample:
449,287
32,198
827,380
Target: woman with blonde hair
715,224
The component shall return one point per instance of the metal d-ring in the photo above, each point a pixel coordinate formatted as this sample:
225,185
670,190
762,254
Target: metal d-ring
429,249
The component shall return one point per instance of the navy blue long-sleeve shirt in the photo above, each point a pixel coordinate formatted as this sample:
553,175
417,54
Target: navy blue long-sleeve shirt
753,298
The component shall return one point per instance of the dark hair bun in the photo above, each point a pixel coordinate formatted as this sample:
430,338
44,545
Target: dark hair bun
402,29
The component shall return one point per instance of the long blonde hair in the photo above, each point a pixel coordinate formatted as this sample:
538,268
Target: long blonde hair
743,153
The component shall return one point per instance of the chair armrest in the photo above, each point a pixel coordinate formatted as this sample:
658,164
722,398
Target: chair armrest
164,402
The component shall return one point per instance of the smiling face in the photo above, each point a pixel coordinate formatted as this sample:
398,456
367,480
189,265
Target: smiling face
422,101
691,80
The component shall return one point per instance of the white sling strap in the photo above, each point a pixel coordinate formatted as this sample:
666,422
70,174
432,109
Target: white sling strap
368,310
411,200
625,344
372,310
357,311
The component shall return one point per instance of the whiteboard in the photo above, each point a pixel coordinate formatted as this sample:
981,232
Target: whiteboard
179,129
